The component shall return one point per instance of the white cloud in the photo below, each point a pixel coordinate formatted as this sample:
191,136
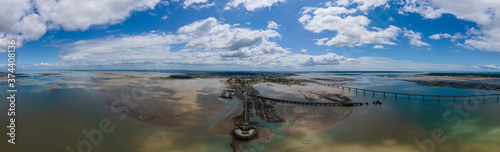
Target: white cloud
352,30
204,27
272,25
207,42
453,38
41,64
440,36
490,67
415,38
251,5
156,49
481,12
18,21
197,4
378,47
363,5
209,34
303,50
29,20
327,59
81,14
188,3
164,17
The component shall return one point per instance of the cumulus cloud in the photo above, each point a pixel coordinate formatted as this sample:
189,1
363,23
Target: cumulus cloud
415,38
326,59
81,14
303,50
209,34
363,5
378,47
218,46
251,5
453,38
481,12
272,25
30,20
352,29
440,36
198,4
207,42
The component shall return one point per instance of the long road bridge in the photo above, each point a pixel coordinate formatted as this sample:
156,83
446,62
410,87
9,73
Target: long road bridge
409,95
310,103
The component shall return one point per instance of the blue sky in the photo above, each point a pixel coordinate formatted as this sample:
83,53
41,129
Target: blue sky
434,35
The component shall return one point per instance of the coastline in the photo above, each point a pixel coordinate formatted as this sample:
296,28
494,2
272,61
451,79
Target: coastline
459,82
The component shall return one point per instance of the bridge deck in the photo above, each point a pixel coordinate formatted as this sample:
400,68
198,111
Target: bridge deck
406,94
310,103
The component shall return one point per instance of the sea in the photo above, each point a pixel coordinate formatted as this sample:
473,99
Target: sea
72,119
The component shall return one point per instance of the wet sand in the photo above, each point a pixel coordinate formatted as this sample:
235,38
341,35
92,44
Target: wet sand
306,119
173,103
225,126
307,93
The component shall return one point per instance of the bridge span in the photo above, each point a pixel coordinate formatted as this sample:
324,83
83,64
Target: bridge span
407,94
310,103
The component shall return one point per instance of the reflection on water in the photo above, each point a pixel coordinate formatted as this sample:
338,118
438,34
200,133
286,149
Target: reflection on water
50,121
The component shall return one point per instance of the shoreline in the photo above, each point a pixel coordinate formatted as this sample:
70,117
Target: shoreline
482,83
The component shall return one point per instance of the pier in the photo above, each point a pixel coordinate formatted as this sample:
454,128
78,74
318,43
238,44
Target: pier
409,95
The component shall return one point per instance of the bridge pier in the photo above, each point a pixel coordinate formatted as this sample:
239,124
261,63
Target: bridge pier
409,95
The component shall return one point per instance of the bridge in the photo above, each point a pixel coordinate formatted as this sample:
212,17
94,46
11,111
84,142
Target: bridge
309,103
406,94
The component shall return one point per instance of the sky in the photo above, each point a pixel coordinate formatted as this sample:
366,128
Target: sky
253,35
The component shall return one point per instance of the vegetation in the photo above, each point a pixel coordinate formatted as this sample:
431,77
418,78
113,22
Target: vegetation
242,79
489,75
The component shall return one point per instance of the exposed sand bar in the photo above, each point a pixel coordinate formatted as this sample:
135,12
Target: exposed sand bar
306,119
162,102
